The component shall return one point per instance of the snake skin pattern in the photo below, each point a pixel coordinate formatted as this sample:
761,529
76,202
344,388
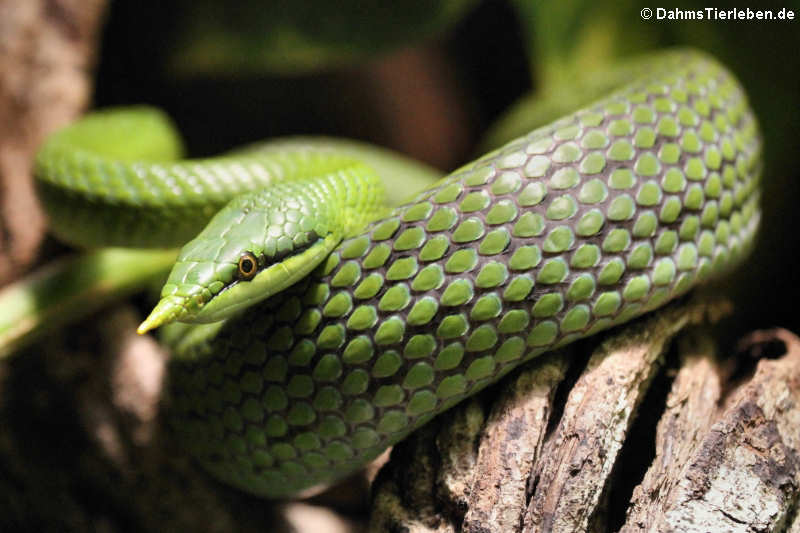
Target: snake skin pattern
572,229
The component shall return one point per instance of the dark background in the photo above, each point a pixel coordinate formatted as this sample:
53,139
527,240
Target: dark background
431,89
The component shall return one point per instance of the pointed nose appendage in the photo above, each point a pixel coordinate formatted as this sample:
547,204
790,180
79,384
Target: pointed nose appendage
168,309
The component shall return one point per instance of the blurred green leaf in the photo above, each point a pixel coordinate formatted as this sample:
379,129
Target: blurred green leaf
290,37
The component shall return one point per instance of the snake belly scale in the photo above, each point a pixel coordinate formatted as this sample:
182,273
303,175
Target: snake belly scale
574,228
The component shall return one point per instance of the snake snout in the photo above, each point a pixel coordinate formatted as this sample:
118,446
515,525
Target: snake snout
168,309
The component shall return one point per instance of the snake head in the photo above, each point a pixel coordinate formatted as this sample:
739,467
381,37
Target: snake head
254,247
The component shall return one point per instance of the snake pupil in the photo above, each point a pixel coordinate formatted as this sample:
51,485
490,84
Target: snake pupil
247,266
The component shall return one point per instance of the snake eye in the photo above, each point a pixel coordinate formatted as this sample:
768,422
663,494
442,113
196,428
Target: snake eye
247,266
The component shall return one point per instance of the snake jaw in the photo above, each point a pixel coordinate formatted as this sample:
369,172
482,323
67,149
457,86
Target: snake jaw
168,309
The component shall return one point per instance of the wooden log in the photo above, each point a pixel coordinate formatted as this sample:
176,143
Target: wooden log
548,448
727,452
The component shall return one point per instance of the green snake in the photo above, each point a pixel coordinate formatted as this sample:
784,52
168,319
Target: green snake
325,326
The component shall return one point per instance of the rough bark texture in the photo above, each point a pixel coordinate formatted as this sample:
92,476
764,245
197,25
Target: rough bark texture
737,466
47,49
556,447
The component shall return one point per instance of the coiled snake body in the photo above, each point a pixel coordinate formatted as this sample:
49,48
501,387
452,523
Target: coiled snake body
569,230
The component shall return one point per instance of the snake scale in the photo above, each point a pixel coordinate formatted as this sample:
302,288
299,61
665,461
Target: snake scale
378,320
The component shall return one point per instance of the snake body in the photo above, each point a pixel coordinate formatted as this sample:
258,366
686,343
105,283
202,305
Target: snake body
571,229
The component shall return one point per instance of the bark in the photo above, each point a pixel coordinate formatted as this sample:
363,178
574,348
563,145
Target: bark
738,467
571,444
47,49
